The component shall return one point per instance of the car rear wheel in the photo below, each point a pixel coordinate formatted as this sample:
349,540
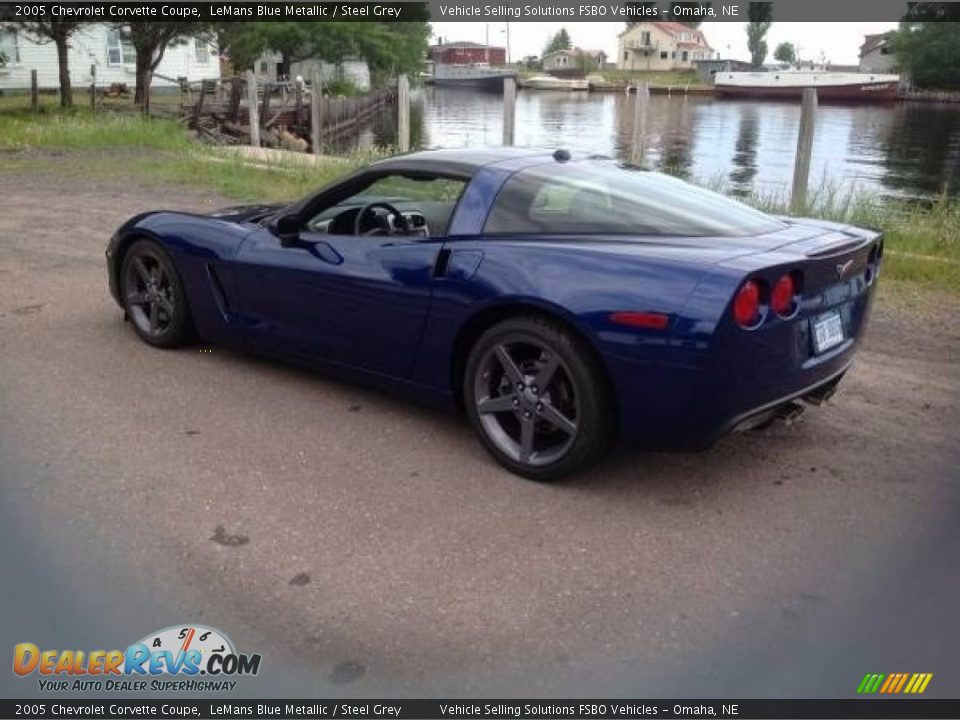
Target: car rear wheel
153,296
536,397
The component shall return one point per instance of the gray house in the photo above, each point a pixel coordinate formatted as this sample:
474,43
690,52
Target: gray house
573,62
877,54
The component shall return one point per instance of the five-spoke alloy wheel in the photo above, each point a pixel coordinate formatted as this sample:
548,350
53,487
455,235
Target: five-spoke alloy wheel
534,394
153,296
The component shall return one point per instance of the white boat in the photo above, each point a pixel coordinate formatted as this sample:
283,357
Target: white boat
549,82
790,84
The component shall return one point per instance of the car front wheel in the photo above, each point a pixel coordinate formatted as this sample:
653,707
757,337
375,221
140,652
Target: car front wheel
153,296
535,395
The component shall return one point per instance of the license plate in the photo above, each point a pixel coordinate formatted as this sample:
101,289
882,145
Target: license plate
827,331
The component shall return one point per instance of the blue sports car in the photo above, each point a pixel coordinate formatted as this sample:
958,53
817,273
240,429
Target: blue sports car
560,300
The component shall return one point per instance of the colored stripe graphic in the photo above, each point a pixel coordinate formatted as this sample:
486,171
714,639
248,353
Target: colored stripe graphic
903,680
894,683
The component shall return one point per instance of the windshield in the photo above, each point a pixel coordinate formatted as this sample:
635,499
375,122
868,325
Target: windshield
602,197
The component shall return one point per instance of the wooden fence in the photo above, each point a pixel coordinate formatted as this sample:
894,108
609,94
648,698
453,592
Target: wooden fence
239,110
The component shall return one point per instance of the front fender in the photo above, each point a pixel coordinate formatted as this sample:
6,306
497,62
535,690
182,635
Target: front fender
203,250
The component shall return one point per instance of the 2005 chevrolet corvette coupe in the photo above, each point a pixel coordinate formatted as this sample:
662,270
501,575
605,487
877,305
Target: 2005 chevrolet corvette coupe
560,300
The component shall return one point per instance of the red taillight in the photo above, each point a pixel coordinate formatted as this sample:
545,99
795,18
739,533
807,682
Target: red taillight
781,299
746,305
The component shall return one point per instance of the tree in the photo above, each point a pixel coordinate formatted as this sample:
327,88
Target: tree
58,32
785,52
150,40
560,41
242,42
390,48
930,52
759,14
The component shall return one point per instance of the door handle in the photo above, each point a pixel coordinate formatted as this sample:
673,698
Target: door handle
326,252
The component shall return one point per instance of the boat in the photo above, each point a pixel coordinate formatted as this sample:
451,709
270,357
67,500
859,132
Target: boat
474,75
596,81
789,84
549,82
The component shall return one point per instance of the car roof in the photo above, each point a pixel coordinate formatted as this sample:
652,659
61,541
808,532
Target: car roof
466,161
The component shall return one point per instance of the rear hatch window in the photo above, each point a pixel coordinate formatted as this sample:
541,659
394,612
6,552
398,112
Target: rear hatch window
603,197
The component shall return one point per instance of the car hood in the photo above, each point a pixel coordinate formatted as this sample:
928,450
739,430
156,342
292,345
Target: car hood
247,213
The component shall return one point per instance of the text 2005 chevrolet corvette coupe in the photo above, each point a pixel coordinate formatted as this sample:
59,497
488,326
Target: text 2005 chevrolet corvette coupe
560,300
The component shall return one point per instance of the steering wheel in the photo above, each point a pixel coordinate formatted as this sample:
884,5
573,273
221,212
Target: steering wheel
387,226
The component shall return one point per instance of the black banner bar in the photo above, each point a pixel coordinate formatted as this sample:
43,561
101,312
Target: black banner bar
120,11
314,709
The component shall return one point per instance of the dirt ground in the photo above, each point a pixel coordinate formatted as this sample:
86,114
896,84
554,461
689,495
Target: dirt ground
366,546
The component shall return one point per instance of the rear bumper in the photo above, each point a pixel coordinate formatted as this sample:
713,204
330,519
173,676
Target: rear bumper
815,394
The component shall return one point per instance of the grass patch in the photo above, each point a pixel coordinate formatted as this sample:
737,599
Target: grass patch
656,77
80,129
110,146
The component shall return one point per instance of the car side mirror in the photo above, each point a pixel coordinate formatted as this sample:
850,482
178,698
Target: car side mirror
287,228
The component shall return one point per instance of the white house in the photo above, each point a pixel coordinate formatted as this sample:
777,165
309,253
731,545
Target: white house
269,68
661,46
573,60
102,46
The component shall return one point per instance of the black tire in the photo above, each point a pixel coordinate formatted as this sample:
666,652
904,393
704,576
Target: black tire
153,296
528,428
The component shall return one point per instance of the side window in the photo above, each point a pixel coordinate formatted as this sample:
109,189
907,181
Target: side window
9,46
427,203
553,205
120,51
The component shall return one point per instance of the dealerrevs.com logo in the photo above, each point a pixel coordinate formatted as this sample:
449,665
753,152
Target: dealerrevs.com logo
200,658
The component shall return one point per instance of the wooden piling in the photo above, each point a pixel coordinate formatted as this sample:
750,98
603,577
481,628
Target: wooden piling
236,91
509,109
641,101
253,109
801,167
265,106
198,108
34,92
93,88
316,117
403,113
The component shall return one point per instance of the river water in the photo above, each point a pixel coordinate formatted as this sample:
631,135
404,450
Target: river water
741,147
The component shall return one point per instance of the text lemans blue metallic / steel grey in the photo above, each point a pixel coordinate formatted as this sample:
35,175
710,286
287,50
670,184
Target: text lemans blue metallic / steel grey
645,308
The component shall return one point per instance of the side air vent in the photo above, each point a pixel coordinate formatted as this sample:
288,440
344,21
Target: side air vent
216,289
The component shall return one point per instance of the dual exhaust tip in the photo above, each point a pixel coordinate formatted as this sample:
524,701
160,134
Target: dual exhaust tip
789,412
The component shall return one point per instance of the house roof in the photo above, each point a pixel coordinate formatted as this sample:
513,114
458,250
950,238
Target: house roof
575,51
673,29
874,42
464,44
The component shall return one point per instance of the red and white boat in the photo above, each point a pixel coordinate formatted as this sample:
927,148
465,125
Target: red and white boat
789,84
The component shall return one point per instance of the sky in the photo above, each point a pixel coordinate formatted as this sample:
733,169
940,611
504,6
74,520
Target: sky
836,43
